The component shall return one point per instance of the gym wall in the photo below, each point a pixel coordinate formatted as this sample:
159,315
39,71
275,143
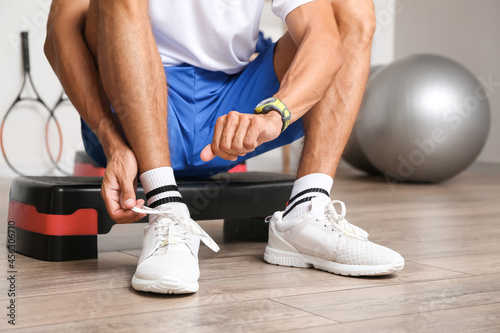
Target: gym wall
463,30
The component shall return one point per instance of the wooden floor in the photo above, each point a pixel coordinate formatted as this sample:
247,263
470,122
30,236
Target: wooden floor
449,235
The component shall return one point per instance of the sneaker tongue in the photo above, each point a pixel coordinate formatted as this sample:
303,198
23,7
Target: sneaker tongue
318,205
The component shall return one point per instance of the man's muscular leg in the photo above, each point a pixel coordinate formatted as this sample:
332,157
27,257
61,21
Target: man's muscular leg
311,232
328,124
119,35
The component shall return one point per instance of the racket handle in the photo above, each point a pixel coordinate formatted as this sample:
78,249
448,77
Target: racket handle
26,51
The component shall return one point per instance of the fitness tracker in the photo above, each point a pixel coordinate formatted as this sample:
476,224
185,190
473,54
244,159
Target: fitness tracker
274,104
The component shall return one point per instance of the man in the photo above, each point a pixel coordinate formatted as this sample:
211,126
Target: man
115,58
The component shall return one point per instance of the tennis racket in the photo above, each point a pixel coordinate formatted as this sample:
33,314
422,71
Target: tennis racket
28,110
66,115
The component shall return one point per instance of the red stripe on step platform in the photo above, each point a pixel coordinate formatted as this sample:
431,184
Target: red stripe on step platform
239,168
81,222
87,170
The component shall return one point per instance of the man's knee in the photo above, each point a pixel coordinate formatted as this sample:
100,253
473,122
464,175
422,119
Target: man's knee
102,10
356,20
91,27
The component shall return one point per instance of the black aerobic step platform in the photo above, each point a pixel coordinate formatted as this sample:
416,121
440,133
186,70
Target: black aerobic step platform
59,218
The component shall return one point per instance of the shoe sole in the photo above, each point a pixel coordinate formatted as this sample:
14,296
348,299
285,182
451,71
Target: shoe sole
294,259
165,286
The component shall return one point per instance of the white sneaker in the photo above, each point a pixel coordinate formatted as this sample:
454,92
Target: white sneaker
169,259
325,240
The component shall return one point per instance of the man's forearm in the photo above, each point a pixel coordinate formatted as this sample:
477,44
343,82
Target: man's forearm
317,60
73,64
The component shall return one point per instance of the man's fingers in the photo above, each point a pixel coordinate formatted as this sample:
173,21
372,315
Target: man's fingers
207,154
111,204
222,139
119,187
126,216
140,203
254,130
224,155
121,215
239,138
227,156
227,135
215,147
116,212
127,194
219,127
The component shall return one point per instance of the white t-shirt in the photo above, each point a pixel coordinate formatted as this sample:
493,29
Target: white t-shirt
217,35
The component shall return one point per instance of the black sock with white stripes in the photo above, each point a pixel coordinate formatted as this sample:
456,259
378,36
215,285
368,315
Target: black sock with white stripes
161,189
304,189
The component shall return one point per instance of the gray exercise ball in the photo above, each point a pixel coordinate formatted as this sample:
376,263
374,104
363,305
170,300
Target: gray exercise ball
353,154
428,119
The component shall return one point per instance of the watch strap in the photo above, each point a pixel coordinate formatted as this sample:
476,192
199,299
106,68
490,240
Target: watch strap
274,104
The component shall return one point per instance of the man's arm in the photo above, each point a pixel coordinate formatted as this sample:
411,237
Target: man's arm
73,64
318,58
71,60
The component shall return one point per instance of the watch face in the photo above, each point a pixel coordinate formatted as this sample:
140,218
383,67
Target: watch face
268,100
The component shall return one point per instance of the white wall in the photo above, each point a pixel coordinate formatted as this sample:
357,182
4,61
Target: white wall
383,39
24,131
463,30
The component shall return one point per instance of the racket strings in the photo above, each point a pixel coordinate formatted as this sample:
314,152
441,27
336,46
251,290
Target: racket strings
2,141
54,161
27,77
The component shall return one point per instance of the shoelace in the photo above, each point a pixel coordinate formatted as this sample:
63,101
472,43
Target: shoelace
338,220
185,223
167,235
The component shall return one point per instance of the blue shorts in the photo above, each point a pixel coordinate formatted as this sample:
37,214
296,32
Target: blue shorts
196,98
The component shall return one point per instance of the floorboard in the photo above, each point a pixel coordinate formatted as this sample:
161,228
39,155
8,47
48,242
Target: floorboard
449,234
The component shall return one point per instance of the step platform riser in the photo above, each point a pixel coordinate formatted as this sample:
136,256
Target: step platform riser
59,218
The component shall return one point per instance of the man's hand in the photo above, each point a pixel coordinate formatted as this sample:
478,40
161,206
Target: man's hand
119,187
237,134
